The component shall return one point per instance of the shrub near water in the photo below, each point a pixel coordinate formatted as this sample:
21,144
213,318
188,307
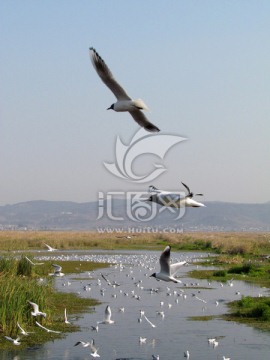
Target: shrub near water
255,308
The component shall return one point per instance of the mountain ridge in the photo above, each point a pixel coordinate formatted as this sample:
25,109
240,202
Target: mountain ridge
69,215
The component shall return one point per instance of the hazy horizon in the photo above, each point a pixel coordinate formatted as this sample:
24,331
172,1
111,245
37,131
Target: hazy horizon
203,69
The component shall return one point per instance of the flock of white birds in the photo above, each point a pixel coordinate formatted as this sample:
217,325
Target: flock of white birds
130,288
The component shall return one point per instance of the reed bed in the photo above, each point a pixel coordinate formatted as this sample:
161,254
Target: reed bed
18,283
21,282
222,243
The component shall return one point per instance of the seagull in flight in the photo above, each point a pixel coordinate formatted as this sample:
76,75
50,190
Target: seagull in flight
23,332
124,102
14,341
48,330
167,270
36,311
92,346
50,248
94,349
57,271
94,328
107,318
167,198
32,263
149,322
83,343
65,317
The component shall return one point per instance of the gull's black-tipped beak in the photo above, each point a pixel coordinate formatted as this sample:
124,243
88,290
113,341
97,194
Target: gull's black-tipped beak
110,108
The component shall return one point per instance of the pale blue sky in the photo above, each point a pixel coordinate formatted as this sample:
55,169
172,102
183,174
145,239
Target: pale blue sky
202,67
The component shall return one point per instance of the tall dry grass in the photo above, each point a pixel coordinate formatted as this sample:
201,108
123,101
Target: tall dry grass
229,243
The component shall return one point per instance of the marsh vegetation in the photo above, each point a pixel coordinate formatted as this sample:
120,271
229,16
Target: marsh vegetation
220,243
240,256
21,282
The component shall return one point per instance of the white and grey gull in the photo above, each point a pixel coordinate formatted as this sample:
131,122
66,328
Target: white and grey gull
107,318
173,199
124,102
36,311
167,270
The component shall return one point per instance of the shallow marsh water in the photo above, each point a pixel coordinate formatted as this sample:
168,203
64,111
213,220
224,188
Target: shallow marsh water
174,333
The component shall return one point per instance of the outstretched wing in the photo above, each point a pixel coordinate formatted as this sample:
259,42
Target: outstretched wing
108,313
164,260
142,120
106,75
9,338
175,267
34,305
57,268
188,189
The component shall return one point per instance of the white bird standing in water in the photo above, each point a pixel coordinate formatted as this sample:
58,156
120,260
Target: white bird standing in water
167,270
124,102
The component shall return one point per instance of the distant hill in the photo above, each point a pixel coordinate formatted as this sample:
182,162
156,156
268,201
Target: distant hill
65,215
